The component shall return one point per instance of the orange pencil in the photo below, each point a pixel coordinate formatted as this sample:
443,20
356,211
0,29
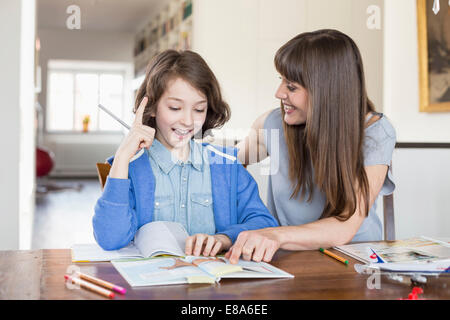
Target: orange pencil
333,256
90,286
102,283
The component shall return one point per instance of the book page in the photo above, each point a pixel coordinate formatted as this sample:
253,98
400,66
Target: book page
166,271
436,267
394,255
161,237
213,265
408,250
253,269
93,252
161,271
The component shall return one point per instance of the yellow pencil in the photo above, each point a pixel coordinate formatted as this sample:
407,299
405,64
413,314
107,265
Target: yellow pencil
333,256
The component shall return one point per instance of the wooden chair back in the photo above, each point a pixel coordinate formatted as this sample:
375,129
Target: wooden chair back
388,216
103,172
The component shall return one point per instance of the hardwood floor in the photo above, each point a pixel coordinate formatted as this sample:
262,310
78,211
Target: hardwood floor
63,215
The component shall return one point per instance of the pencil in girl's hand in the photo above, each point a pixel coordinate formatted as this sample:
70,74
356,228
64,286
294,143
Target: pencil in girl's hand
114,116
333,255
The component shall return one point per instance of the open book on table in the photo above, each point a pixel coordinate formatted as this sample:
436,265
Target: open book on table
413,250
151,240
191,269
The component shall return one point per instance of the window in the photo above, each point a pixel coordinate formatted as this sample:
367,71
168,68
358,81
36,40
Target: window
75,92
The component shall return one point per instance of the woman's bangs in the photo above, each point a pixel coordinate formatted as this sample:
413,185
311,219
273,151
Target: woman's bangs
289,65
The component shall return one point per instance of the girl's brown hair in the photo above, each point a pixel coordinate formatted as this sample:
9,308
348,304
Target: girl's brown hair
191,67
328,64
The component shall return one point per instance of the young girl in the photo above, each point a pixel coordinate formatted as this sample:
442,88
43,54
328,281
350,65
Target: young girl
334,150
160,173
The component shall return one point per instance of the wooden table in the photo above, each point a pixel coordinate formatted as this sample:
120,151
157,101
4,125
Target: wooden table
39,274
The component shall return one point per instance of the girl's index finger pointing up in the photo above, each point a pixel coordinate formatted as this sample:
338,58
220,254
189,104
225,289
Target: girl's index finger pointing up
140,111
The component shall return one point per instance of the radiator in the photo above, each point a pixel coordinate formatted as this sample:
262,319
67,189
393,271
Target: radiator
77,159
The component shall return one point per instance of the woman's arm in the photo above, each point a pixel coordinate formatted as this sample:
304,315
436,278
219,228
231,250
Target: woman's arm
262,244
252,148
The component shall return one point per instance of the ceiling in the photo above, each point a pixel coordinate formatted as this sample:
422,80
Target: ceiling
101,15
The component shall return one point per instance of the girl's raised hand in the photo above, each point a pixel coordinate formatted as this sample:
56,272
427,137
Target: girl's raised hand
140,136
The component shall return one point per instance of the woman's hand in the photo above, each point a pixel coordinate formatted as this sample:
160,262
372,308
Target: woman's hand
140,136
206,245
255,245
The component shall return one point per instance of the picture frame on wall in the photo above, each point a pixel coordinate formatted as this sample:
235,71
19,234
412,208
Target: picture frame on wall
434,56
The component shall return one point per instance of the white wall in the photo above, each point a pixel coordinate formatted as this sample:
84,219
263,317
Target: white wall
401,81
17,19
421,199
239,39
81,45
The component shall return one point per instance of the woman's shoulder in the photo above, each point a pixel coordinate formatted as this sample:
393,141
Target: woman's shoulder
381,130
379,142
270,119
266,118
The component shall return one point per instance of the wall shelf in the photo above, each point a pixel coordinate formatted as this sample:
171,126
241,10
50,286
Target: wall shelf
170,29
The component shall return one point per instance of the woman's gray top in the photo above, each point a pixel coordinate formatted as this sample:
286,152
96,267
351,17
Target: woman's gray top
379,143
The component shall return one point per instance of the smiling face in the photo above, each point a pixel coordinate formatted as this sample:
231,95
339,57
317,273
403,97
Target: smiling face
295,101
180,114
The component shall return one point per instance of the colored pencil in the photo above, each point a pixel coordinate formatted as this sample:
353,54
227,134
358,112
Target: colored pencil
333,255
102,283
90,286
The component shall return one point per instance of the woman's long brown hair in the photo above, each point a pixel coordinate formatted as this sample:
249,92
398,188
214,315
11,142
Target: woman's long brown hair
328,149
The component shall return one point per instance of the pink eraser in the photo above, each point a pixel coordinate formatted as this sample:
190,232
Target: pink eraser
119,289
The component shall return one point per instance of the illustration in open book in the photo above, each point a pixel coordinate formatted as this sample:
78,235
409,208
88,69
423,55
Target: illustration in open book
191,269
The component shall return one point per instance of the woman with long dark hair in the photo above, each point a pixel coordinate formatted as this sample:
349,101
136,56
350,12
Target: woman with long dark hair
333,154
